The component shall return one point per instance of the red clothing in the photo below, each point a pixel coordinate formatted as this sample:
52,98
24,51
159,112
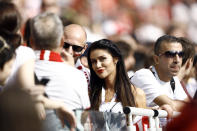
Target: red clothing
187,121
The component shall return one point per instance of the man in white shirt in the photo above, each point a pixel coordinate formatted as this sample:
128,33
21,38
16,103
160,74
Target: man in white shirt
75,38
66,83
160,83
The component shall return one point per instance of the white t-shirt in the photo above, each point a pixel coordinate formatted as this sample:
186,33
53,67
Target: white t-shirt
23,54
154,87
66,83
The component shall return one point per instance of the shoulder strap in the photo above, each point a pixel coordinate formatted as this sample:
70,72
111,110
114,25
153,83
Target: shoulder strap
172,84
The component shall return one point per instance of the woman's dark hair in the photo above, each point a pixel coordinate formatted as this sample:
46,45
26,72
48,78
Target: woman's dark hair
6,52
122,82
10,23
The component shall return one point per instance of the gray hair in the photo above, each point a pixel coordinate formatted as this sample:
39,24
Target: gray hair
46,31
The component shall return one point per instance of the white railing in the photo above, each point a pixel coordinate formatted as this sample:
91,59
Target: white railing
153,116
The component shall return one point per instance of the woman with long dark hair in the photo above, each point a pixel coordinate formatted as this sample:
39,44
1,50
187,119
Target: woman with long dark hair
111,89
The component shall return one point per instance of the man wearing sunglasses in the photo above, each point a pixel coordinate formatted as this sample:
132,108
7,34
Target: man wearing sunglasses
74,41
74,46
160,82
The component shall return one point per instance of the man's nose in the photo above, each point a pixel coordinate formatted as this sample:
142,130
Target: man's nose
70,50
177,58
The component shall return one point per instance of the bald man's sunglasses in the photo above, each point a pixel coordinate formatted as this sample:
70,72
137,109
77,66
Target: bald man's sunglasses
172,54
74,47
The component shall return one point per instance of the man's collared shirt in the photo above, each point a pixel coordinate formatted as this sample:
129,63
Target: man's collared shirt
153,87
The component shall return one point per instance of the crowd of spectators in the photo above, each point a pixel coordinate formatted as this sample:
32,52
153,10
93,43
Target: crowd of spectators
152,41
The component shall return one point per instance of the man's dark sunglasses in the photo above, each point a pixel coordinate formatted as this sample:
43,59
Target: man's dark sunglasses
74,47
172,54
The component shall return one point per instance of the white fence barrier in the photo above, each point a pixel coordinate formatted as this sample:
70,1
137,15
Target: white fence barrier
153,116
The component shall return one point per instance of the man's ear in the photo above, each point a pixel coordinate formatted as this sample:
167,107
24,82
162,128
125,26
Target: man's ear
156,59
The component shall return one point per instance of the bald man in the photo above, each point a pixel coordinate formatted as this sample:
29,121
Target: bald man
75,40
74,46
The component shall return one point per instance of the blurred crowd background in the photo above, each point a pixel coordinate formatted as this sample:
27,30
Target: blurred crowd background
138,22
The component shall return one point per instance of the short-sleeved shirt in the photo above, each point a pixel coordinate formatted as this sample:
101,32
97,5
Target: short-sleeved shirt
23,55
153,87
66,83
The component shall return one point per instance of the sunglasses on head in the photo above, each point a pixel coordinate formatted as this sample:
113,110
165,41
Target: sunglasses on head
74,47
172,54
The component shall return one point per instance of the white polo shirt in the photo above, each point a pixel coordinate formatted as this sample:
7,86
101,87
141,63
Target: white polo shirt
154,87
66,83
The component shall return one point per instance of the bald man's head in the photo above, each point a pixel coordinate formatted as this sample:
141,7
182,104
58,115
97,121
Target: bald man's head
75,35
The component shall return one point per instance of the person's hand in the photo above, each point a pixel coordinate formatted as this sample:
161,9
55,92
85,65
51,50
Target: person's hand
67,57
35,90
65,113
41,110
167,108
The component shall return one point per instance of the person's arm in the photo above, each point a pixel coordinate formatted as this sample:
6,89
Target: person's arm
140,97
145,80
175,104
62,111
25,74
25,80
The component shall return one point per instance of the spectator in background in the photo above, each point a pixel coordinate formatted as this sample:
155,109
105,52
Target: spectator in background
160,83
23,67
7,57
178,30
187,64
10,23
75,45
127,53
191,84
